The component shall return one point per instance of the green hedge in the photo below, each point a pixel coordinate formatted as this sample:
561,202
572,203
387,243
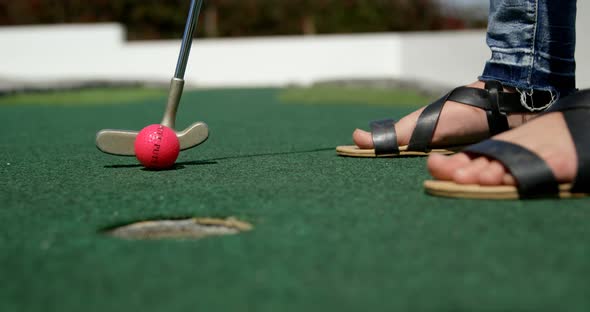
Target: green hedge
150,19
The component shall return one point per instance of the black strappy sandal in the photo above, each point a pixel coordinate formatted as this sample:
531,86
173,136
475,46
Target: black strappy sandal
534,178
493,100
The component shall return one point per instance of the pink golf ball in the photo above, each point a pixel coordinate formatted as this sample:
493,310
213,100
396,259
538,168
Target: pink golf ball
157,147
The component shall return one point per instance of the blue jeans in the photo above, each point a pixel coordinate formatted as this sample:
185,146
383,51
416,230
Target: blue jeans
533,44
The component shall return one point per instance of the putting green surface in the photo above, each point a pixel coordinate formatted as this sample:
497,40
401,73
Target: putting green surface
330,233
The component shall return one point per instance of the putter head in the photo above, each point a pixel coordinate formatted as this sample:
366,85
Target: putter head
122,142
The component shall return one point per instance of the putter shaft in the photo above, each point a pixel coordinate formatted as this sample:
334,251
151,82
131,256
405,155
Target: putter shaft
187,38
174,95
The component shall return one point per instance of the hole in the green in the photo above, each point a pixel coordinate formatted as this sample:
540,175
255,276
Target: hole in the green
192,228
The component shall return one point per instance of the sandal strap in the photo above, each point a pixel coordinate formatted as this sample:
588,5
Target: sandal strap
495,102
578,100
384,137
509,102
577,123
426,124
497,120
534,178
576,112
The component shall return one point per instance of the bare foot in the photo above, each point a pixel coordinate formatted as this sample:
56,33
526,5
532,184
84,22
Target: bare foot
548,136
472,128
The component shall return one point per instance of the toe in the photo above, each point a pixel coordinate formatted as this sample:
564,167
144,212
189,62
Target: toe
508,179
362,139
493,174
444,167
469,174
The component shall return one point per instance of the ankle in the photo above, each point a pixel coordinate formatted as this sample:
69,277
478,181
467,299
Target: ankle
516,120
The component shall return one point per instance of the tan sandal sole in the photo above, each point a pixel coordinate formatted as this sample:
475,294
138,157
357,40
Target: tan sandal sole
454,190
354,151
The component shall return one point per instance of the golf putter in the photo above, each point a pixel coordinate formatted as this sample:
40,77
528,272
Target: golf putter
122,142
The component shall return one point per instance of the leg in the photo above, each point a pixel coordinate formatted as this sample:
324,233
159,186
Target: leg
532,44
547,136
548,66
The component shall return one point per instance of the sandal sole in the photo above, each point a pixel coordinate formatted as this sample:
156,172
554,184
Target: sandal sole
354,151
469,191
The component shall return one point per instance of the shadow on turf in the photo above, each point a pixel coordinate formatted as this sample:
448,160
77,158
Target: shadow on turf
213,161
177,166
270,154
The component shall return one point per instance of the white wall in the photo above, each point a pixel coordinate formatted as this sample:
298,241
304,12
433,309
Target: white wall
90,52
583,44
444,58
59,52
268,61
66,52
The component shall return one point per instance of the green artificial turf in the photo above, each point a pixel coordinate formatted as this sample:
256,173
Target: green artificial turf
340,95
96,96
330,233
